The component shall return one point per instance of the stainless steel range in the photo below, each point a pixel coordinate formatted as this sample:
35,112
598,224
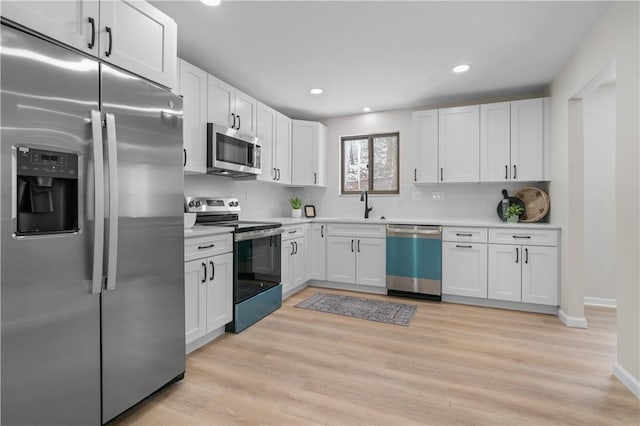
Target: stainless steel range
256,258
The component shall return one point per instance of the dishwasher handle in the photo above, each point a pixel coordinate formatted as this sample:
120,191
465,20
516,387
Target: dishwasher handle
415,231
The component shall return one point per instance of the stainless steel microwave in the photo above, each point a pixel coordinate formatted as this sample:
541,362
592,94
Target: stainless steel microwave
231,153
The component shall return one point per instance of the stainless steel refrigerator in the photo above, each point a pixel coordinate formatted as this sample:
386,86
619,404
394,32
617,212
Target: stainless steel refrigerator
91,278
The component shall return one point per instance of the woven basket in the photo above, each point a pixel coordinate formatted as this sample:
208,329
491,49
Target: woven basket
536,204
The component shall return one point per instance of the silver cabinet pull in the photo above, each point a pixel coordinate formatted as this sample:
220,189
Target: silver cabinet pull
98,202
112,157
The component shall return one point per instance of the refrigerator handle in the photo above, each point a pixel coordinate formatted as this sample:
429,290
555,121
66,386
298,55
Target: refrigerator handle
112,157
98,200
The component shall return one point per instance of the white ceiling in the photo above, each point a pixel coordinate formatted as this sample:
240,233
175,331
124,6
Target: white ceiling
382,54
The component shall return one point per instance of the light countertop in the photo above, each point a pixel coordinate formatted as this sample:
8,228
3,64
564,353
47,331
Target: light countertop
204,231
480,223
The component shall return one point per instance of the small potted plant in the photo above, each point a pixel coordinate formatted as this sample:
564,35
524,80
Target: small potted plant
513,213
296,206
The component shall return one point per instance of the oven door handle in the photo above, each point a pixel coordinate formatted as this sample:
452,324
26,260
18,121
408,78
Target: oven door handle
254,235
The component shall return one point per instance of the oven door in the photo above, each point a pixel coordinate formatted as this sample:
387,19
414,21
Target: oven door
231,151
256,265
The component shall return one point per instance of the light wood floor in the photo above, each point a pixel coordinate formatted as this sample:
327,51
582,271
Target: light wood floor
454,364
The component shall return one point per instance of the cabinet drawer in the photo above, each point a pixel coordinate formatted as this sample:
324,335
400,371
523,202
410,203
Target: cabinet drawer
197,248
534,237
470,235
357,230
293,231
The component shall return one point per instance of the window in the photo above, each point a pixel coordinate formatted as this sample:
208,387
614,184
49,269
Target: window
370,163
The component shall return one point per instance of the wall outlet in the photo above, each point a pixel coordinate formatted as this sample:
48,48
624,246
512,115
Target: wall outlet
416,196
438,195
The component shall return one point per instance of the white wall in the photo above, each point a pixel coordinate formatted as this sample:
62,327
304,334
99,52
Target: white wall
258,200
615,38
599,113
463,201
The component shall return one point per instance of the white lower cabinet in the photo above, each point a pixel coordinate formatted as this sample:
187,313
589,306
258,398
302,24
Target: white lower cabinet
464,269
523,274
318,252
293,259
356,260
540,275
208,284
505,273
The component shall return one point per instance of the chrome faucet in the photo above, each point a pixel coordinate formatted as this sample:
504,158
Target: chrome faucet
364,196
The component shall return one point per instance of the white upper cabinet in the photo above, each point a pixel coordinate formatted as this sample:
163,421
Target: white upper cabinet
230,107
459,144
425,131
193,88
246,108
69,22
527,140
138,37
282,156
221,102
110,30
266,133
499,142
309,152
495,142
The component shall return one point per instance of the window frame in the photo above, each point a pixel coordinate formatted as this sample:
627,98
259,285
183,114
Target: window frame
370,138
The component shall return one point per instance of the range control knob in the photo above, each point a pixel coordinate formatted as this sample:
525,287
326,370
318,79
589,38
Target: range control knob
235,204
192,203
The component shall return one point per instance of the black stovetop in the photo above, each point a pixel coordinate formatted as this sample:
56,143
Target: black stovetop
231,221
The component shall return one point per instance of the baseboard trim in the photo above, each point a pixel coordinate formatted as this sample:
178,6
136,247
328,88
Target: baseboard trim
600,301
502,304
575,322
627,379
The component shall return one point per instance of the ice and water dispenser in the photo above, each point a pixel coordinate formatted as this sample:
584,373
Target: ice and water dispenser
46,191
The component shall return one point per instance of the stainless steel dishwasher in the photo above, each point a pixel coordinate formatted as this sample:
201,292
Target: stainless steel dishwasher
414,261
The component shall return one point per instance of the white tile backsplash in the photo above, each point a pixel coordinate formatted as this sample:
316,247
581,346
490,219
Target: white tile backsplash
258,199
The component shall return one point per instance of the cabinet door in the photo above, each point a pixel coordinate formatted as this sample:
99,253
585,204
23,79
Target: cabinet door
195,299
527,144
371,262
504,272
298,262
286,261
425,131
341,260
495,142
321,162
459,144
540,275
303,153
138,37
246,109
221,101
266,132
464,269
219,291
67,22
193,89
283,149
318,255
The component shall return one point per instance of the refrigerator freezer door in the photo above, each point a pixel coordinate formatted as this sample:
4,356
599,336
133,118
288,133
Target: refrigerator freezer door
50,319
143,337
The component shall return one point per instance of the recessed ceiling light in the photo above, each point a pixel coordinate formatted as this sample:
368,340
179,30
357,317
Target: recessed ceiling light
461,68
316,91
366,109
211,2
